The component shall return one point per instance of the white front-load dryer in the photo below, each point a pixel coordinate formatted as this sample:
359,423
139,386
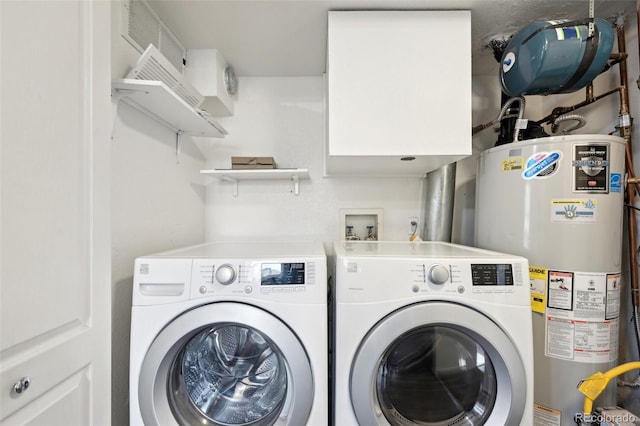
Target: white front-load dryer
431,333
231,333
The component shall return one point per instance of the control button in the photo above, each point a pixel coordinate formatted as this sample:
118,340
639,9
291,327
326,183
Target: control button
202,289
415,288
299,288
438,274
460,289
225,274
248,289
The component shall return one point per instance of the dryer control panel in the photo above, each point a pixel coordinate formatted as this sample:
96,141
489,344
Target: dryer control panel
371,279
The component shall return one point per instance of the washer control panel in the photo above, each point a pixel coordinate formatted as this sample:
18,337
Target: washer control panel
438,274
252,277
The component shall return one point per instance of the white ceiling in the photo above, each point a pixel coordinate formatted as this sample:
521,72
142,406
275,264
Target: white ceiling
288,37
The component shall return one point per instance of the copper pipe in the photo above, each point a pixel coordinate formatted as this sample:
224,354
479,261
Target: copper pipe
625,131
618,56
632,178
589,94
631,219
558,111
624,93
481,127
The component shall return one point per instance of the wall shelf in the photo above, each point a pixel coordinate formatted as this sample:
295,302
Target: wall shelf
161,103
236,175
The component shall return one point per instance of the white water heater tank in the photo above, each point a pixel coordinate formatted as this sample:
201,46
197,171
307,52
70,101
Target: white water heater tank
558,201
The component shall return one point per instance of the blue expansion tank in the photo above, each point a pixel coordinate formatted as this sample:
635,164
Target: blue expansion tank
548,57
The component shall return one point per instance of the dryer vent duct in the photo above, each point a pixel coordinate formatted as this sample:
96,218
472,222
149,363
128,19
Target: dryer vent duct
441,185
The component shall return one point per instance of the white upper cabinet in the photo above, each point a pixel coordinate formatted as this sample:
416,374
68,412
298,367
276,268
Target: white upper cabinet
398,87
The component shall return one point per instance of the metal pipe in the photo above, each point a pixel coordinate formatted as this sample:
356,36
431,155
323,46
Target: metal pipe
631,219
625,132
624,92
504,113
558,111
580,122
441,185
589,92
616,57
635,181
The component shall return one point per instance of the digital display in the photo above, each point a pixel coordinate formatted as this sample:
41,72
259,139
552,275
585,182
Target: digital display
281,273
492,274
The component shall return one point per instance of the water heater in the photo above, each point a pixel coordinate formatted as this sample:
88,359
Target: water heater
558,201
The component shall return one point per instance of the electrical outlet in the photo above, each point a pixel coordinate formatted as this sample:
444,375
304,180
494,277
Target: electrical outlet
411,227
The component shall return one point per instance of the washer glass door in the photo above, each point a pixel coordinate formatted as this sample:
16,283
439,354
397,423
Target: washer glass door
226,364
228,374
437,363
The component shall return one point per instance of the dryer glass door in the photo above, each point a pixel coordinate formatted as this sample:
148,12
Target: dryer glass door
436,375
437,363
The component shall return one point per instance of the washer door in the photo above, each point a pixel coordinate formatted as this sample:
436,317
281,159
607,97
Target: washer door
225,364
437,363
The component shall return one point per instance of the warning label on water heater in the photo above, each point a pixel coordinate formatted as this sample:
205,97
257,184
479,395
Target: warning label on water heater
538,287
581,319
591,168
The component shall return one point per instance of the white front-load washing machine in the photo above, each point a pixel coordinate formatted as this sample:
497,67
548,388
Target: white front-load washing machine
230,333
431,333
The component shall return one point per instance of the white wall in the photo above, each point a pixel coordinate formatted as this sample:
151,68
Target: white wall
283,118
157,204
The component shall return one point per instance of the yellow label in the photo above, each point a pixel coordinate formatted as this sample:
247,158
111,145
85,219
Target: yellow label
514,163
538,286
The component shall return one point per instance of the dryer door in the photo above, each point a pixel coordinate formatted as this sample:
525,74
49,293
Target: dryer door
226,364
437,363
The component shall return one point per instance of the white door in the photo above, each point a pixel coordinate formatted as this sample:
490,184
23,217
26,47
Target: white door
54,221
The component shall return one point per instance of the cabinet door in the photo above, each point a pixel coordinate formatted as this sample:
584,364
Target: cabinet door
54,235
399,83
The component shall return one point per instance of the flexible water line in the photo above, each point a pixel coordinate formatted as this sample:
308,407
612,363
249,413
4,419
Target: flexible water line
581,121
504,109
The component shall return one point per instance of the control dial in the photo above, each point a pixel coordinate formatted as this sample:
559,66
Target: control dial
225,274
438,274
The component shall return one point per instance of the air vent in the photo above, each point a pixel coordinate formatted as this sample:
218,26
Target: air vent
152,65
141,26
